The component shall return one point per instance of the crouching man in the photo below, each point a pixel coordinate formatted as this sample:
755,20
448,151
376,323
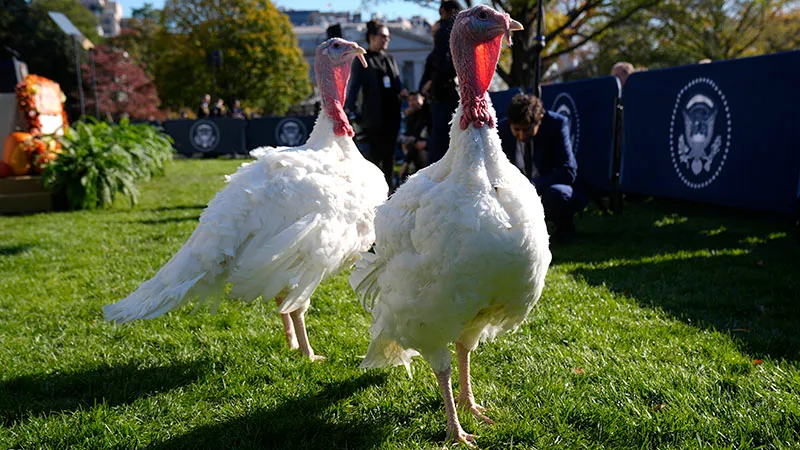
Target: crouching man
553,165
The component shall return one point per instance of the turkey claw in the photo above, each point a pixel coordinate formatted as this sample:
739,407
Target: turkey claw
462,438
476,410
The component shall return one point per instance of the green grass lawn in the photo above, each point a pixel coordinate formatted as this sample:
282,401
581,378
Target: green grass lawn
671,326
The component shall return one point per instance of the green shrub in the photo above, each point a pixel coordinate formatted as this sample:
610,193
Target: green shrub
100,160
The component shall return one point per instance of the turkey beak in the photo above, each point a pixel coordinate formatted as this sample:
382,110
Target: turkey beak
513,25
359,53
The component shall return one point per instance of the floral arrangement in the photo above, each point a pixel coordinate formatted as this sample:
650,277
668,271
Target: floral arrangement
37,97
26,154
40,151
42,103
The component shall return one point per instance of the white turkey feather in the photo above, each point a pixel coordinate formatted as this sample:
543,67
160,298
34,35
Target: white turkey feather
282,224
461,253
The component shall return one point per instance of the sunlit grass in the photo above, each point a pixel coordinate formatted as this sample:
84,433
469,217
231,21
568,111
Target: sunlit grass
668,327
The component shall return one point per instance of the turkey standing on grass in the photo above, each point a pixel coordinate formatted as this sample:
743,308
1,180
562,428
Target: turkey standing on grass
462,247
284,222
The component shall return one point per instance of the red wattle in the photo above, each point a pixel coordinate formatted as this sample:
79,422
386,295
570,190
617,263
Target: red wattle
486,56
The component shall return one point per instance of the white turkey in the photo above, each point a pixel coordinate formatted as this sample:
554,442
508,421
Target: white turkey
462,248
284,222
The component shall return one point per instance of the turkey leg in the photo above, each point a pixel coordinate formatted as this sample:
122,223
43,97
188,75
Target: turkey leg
298,318
454,430
288,327
466,400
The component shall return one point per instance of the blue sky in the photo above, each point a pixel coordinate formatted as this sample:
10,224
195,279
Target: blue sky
389,9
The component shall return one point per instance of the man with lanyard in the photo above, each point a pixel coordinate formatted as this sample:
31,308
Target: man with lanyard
381,95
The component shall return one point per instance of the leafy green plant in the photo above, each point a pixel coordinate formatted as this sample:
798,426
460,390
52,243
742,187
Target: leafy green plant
100,161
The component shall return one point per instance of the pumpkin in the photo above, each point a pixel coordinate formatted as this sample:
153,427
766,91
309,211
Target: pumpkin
15,154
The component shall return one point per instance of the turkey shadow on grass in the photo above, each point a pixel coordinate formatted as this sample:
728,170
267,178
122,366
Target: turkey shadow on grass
658,226
710,267
297,422
35,395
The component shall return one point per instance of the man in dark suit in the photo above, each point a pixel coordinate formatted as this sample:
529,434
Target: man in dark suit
553,165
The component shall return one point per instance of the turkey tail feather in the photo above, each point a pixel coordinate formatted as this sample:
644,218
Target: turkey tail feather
166,291
364,279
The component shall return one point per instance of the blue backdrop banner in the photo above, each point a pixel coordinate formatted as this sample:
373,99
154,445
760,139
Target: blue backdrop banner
726,133
212,137
279,131
591,107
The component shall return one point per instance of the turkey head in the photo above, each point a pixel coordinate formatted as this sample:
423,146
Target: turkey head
475,44
332,66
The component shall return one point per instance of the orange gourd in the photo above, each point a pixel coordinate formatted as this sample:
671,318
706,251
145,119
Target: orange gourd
14,153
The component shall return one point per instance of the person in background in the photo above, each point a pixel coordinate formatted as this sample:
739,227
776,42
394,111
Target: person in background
382,94
443,92
415,140
237,112
553,166
622,71
219,109
205,107
425,81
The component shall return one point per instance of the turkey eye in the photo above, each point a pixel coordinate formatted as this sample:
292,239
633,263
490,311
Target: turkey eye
336,45
483,15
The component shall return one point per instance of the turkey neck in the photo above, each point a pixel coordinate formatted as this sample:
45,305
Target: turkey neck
332,82
475,65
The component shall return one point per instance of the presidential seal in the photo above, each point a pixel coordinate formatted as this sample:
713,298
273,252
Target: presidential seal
565,105
204,135
290,132
699,148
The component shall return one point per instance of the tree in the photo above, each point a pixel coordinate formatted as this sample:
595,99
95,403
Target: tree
640,41
686,31
783,33
82,18
571,26
139,38
262,64
122,85
718,29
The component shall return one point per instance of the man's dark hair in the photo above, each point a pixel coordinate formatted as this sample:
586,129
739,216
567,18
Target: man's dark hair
525,108
413,93
451,6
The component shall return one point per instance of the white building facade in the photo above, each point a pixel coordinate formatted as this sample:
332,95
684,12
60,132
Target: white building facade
108,13
410,45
